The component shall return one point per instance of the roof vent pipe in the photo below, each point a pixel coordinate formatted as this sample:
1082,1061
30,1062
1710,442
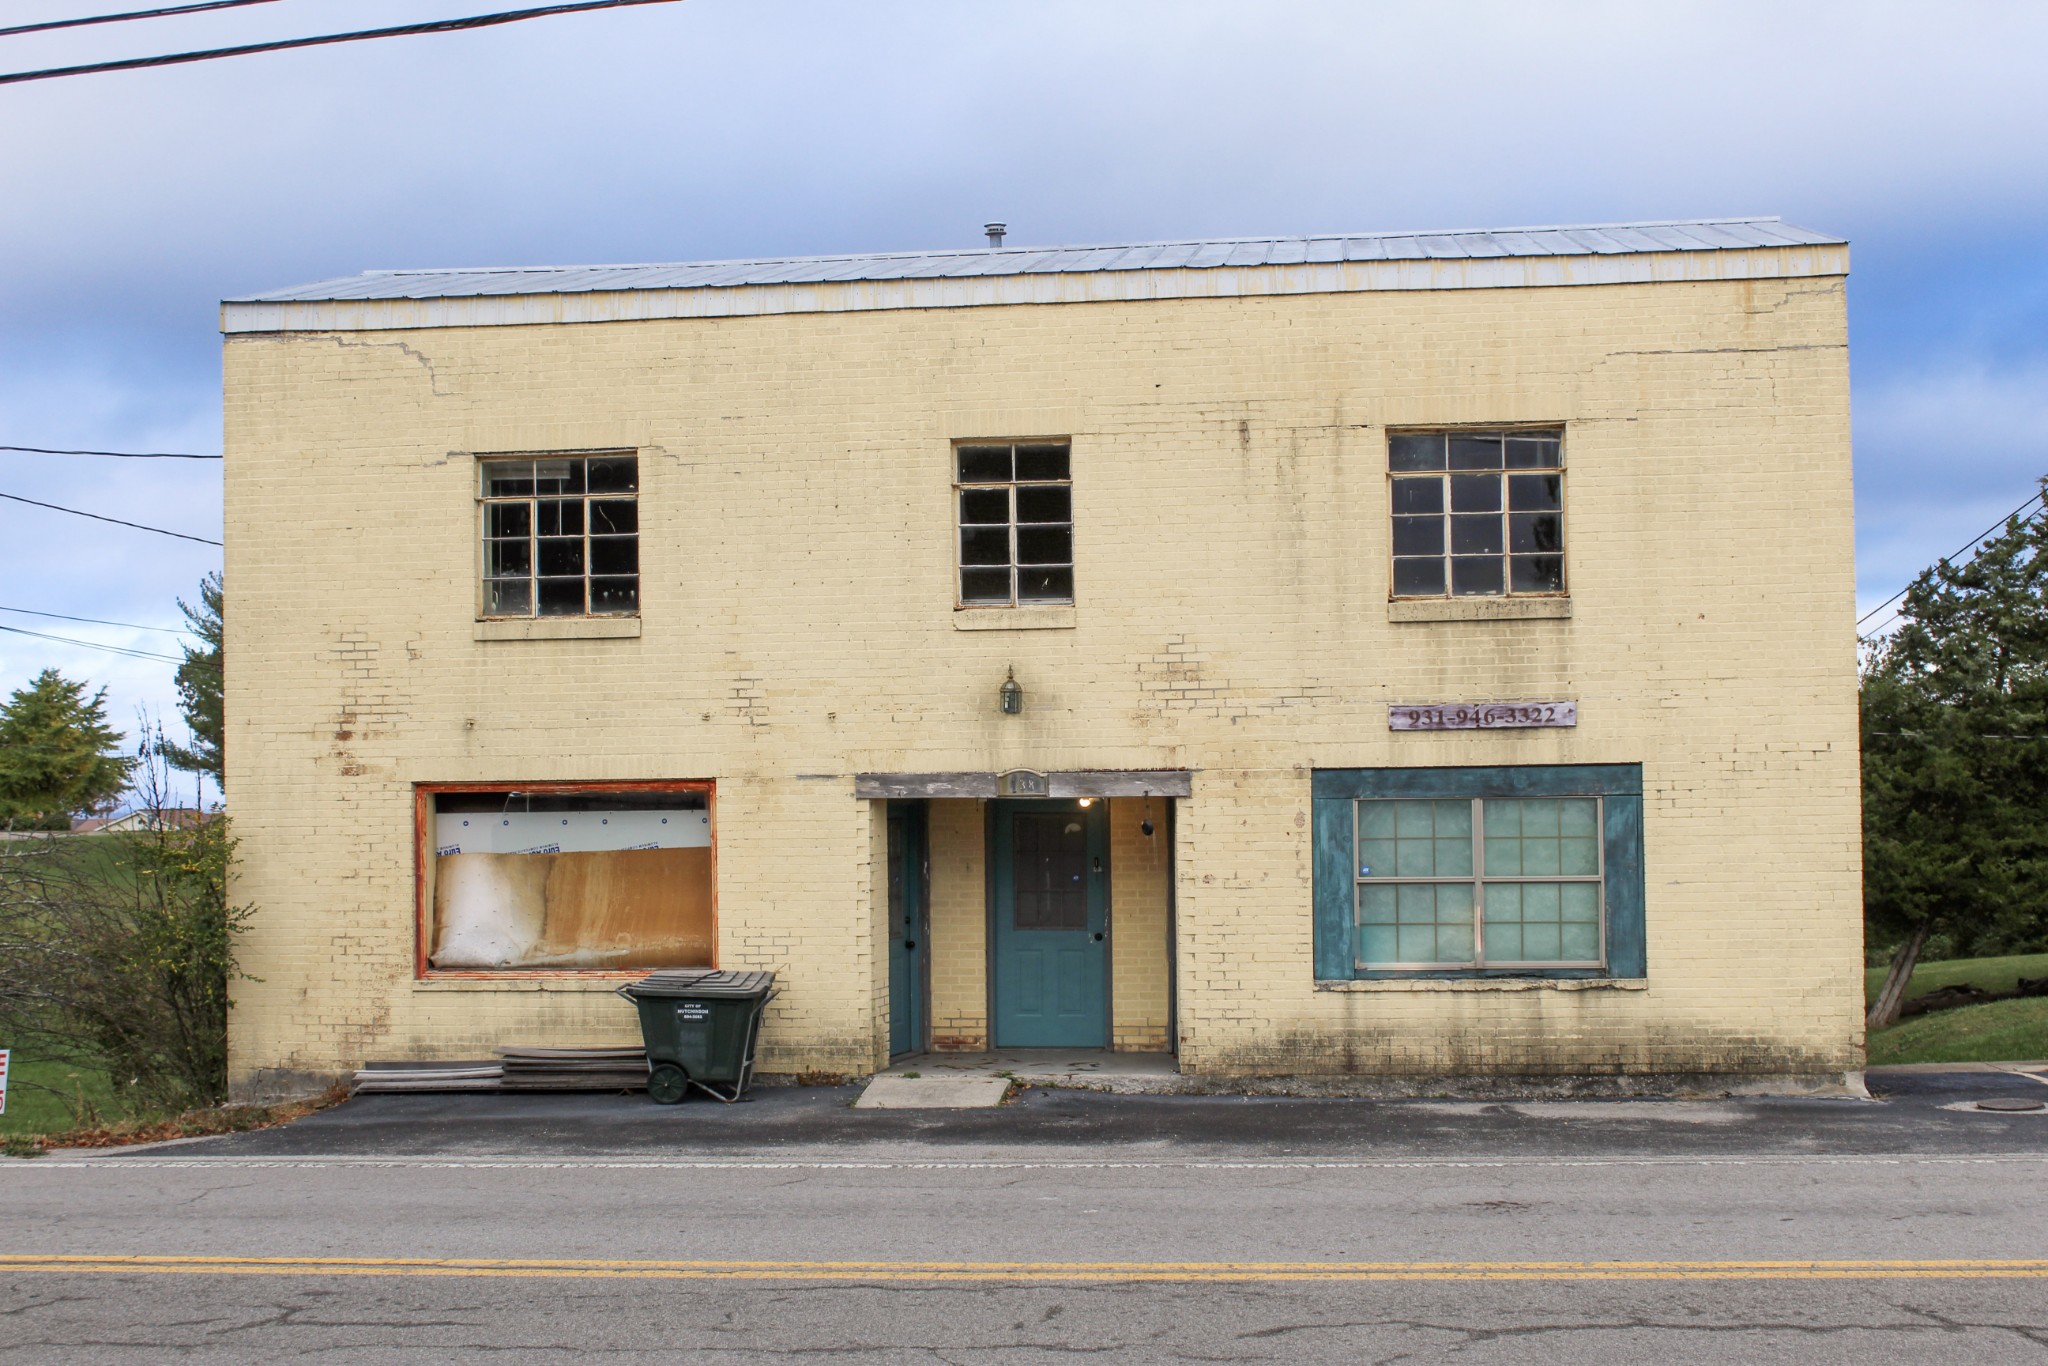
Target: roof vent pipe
995,232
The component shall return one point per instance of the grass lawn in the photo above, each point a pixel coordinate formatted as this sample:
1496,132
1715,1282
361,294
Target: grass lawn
32,1110
1992,974
1997,1031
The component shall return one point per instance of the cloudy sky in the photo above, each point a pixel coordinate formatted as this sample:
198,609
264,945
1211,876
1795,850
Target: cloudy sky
131,203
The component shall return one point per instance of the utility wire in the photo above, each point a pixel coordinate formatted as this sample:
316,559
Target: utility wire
1947,558
401,31
93,621
131,14
118,455
15,497
92,645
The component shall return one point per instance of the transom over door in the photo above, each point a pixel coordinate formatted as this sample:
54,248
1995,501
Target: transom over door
1051,925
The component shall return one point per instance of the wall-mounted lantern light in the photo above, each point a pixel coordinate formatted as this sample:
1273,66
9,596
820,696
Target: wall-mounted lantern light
1012,696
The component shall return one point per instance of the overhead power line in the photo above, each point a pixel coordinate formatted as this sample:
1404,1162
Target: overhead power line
248,49
1947,558
94,621
160,13
15,497
92,645
117,455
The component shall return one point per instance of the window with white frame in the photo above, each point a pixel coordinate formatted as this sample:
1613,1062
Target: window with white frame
1477,513
561,535
1016,523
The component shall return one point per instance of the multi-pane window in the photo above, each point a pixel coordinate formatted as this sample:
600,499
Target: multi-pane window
1016,504
1491,882
1477,514
561,535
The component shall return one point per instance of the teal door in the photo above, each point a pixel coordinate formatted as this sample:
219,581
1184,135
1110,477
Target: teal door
906,928
1051,940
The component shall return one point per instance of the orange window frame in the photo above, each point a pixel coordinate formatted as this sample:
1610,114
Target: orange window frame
423,795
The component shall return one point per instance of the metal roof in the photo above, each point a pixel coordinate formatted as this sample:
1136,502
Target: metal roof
1592,240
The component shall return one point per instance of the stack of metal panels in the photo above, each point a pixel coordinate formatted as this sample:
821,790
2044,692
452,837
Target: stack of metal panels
429,1076
574,1069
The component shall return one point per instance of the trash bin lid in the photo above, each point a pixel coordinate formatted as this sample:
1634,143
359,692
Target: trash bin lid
701,982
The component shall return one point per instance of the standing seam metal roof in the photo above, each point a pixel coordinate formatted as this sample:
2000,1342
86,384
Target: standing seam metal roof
1600,239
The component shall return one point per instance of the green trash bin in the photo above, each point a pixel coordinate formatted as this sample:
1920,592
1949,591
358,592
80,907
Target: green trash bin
700,1026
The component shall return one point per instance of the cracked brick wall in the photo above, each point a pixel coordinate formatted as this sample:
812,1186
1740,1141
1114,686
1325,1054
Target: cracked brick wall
1232,618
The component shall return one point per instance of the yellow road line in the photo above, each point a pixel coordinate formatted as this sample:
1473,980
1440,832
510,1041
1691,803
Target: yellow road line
1027,1272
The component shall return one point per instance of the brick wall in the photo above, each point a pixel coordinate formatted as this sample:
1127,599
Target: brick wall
1232,618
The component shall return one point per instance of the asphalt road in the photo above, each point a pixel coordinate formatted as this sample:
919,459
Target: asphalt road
410,1228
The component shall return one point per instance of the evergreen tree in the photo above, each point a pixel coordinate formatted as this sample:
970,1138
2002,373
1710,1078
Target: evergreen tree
199,686
1955,760
57,754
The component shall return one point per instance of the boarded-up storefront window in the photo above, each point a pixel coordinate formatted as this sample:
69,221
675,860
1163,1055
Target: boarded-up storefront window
570,879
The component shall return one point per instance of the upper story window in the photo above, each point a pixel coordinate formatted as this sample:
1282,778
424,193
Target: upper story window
1477,514
1016,504
561,535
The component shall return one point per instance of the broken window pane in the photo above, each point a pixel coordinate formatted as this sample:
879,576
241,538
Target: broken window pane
1415,451
614,517
1475,450
984,464
530,536
1045,585
1045,545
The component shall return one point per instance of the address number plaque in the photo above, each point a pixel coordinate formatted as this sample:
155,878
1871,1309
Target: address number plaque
1481,715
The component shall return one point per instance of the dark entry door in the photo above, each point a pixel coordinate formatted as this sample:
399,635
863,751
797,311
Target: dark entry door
1051,925
906,928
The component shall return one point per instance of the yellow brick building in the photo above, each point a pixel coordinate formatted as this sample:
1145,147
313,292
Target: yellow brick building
1383,656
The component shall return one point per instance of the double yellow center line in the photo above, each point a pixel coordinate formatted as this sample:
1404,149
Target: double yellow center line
937,1273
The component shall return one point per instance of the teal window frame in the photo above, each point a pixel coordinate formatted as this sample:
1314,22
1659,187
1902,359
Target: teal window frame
1334,798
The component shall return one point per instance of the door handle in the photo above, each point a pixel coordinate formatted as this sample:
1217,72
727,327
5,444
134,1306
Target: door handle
909,944
1097,936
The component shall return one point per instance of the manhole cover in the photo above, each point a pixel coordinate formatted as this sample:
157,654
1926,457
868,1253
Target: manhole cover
2014,1104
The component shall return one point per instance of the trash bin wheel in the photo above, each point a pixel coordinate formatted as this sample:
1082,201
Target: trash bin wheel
668,1084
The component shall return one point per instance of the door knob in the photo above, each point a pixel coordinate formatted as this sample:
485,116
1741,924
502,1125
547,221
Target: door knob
1097,936
909,944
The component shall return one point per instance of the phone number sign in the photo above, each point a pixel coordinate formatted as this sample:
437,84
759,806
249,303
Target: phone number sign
1481,715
